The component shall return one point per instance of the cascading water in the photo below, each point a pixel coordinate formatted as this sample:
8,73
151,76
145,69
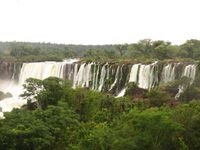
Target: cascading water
83,76
116,78
147,76
79,77
168,73
190,72
102,77
134,73
39,70
96,76
8,104
132,78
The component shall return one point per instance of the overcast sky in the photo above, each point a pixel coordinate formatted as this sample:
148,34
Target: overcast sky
99,21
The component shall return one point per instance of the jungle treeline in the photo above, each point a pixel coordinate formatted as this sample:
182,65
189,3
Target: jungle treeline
143,50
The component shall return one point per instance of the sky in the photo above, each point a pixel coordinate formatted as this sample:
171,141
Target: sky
99,21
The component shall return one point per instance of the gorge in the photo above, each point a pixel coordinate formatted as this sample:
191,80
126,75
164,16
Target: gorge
103,77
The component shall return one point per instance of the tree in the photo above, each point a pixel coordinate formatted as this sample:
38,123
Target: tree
192,48
122,48
95,136
164,50
150,129
52,92
189,117
46,92
141,49
32,89
158,98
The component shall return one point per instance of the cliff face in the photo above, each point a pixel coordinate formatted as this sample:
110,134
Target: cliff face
6,70
9,70
106,77
113,78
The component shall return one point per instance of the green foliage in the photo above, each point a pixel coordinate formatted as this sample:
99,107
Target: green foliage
38,129
51,92
81,119
131,88
95,136
32,89
122,48
149,129
158,98
46,92
24,50
191,93
189,116
144,50
192,48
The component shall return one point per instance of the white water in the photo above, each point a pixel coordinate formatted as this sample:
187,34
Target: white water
94,77
102,77
168,73
88,75
134,73
79,78
132,78
82,76
122,93
97,78
116,78
190,72
143,75
146,76
8,104
39,70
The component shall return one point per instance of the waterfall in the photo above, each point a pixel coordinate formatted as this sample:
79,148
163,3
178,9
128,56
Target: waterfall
168,73
93,77
134,73
190,72
102,77
147,76
39,70
122,93
75,76
88,75
8,104
96,76
78,80
83,77
116,78
132,78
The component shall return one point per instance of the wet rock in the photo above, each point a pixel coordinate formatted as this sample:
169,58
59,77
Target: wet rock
4,95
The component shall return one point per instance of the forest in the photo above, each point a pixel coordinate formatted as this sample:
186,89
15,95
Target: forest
144,50
58,117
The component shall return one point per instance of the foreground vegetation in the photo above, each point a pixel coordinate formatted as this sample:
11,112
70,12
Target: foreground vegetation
81,119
